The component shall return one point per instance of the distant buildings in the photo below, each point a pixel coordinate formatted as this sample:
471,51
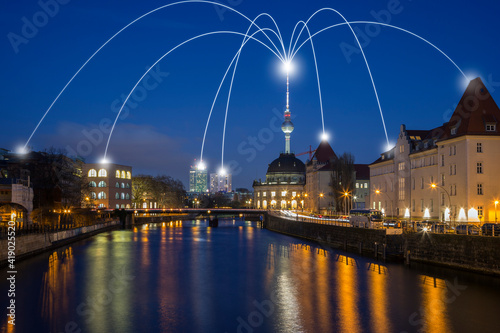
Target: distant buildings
220,182
362,190
448,173
198,179
109,185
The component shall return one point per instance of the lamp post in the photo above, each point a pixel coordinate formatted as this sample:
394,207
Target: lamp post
392,211
319,202
345,195
434,186
496,203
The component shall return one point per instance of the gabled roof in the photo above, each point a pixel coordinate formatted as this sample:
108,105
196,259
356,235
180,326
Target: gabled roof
324,153
475,110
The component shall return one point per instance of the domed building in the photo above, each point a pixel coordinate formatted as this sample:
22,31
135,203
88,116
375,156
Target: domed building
285,177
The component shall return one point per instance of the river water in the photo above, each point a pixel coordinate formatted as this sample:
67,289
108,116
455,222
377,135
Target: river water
187,277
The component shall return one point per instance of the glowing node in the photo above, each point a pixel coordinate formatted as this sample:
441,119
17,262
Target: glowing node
201,166
104,161
222,171
21,150
324,137
287,66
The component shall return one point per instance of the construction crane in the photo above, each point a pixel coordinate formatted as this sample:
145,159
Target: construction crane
310,152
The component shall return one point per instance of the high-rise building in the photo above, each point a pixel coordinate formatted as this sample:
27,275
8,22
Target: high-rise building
198,179
220,182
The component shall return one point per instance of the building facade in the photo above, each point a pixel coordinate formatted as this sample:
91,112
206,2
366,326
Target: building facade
361,197
110,185
449,173
221,182
198,179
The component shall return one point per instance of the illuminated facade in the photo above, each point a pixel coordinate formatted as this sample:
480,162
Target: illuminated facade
460,158
110,185
198,180
221,183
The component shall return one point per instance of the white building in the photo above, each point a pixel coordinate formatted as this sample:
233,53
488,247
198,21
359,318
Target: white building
220,182
447,173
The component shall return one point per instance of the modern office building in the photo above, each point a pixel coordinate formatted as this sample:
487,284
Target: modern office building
198,179
448,173
220,182
110,185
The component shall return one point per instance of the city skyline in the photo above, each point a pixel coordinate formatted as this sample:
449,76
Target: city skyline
160,129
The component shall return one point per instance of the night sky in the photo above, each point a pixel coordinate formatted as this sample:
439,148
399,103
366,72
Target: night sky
162,130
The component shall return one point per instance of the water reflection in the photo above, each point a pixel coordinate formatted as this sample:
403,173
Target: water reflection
434,304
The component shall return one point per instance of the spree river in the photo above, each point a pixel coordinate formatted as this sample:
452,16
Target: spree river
187,277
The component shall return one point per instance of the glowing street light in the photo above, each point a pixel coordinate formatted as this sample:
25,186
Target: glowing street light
287,66
324,136
434,186
496,203
392,210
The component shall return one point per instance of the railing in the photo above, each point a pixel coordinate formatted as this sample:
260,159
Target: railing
32,229
310,219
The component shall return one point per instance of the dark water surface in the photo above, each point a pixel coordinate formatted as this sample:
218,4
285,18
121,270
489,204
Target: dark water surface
186,277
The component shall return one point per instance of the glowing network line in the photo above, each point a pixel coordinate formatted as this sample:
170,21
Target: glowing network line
238,54
161,58
390,26
116,34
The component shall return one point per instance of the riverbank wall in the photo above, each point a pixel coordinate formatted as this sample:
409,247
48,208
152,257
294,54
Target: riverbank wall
32,244
480,254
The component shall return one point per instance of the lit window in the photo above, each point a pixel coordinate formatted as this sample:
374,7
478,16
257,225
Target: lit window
283,193
101,195
129,175
127,196
264,194
117,206
102,184
123,174
117,175
294,194
93,195
101,206
103,173
273,194
117,185
127,185
366,185
117,195
123,185
123,196
92,173
92,184
479,189
357,185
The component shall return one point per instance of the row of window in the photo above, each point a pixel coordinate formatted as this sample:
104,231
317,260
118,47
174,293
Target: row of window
103,184
118,206
102,195
358,185
123,174
104,173
273,194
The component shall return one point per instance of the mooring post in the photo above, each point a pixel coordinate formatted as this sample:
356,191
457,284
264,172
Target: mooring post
376,250
408,257
360,247
384,254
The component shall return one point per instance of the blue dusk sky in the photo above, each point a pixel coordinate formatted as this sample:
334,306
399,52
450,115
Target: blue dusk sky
161,129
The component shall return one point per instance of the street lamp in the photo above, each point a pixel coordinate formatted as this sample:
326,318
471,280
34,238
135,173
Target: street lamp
496,203
319,202
346,194
434,186
392,211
